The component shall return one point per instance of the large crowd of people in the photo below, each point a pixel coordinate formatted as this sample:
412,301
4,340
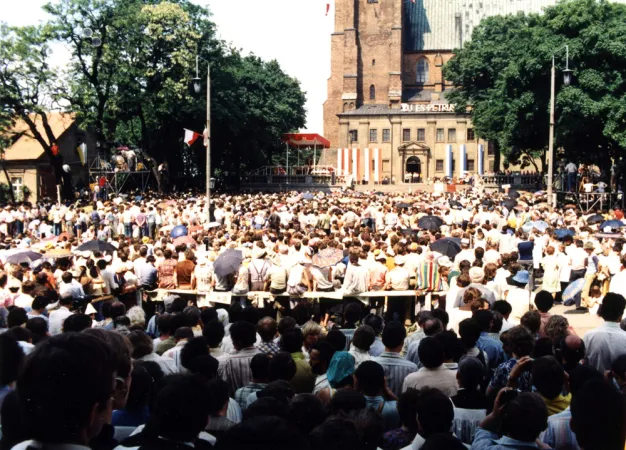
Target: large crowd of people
356,321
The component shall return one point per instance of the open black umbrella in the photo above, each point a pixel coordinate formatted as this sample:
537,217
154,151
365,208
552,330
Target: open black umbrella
96,246
430,223
509,204
596,218
487,202
403,205
514,194
228,262
447,247
455,204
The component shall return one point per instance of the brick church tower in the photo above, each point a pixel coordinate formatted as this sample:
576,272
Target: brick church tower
366,59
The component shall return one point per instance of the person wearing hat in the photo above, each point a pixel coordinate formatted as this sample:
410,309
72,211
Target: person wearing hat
378,271
519,296
477,276
592,266
259,269
397,279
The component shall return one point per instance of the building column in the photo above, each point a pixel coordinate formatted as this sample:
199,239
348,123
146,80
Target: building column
396,142
431,142
377,160
344,139
481,159
366,167
461,139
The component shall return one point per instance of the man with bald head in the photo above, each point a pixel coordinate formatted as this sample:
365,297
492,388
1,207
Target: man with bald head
570,352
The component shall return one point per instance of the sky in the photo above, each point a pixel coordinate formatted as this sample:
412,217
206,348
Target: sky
294,32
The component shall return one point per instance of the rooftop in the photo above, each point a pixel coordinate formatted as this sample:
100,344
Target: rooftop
26,147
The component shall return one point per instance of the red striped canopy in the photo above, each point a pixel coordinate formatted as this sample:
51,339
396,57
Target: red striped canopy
306,140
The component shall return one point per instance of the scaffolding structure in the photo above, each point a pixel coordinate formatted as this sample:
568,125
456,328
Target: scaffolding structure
118,181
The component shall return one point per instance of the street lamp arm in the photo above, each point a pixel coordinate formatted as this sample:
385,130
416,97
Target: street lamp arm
566,47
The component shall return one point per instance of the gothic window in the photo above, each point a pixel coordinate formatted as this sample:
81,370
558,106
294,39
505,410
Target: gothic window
422,71
345,106
372,92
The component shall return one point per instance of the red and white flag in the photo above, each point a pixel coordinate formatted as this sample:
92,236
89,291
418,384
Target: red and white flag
191,136
327,8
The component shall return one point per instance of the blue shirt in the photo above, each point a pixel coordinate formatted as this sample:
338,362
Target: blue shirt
487,440
387,410
148,275
377,347
501,377
493,348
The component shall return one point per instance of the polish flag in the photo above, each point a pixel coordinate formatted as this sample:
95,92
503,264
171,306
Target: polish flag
191,136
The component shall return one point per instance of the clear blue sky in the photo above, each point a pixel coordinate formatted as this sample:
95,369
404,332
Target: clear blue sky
294,32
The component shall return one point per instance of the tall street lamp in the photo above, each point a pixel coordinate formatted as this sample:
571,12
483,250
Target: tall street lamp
567,79
197,87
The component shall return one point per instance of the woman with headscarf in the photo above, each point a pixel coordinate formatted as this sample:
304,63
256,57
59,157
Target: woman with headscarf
339,374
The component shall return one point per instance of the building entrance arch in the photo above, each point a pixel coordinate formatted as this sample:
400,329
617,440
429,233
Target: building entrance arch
413,165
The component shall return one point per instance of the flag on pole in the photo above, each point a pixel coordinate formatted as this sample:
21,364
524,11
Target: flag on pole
327,8
191,136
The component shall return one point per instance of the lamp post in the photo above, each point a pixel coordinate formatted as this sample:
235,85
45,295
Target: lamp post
567,79
197,87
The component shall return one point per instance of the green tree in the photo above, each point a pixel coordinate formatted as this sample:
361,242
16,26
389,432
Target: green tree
136,86
503,76
27,90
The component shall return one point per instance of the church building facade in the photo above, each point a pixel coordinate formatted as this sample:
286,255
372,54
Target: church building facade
387,116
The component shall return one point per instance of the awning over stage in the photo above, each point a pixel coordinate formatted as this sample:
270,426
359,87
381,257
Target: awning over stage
306,140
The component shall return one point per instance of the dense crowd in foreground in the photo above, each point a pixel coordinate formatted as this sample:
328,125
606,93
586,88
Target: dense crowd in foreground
468,355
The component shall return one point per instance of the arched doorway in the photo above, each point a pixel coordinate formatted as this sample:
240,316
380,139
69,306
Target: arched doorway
413,169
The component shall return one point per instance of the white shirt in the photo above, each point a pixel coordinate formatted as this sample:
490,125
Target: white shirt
604,344
618,283
57,317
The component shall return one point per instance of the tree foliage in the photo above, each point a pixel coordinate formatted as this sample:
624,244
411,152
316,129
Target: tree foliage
135,87
503,75
27,90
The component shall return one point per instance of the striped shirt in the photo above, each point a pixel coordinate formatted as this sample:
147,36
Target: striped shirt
241,396
396,370
321,382
236,368
559,434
